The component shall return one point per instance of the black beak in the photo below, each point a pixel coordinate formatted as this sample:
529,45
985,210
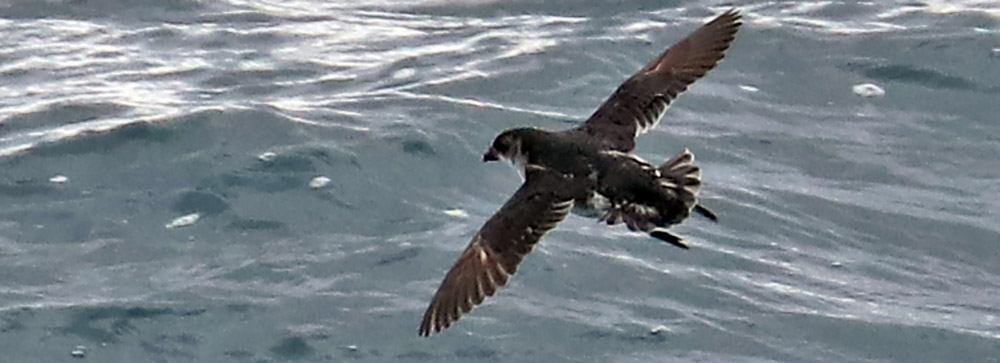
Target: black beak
491,155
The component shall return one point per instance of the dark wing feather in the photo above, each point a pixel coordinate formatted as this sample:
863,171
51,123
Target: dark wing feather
497,249
641,100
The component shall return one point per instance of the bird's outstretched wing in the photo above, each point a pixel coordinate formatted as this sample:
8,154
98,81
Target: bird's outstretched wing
497,249
637,105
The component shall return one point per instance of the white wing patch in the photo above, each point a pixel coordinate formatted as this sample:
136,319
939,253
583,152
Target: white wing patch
652,116
645,165
562,207
597,205
619,154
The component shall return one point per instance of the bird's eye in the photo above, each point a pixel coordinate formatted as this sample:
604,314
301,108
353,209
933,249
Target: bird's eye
502,145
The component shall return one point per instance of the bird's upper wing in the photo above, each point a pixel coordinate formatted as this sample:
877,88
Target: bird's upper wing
637,105
498,247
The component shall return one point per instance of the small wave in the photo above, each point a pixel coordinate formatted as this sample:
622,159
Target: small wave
862,18
95,8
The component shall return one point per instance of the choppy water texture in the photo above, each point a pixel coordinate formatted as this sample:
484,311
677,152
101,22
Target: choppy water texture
852,229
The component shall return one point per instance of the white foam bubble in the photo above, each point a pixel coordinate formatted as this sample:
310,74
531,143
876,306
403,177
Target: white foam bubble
78,351
404,73
184,221
868,90
457,213
268,156
319,182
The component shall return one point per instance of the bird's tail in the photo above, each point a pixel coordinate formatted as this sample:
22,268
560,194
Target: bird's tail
681,175
680,179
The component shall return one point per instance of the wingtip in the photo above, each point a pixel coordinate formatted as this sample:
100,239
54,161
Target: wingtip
733,17
732,13
425,325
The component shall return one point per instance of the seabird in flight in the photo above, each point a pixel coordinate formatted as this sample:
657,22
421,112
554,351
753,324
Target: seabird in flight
590,170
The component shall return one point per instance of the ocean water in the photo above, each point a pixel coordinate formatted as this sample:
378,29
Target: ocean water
156,160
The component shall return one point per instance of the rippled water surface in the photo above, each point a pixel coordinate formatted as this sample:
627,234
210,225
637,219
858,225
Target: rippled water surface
156,160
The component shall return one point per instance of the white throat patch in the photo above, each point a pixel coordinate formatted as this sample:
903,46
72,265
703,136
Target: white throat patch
519,160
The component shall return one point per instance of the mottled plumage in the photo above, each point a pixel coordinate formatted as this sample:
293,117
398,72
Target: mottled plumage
591,171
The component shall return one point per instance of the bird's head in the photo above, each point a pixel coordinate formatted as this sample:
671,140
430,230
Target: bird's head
507,146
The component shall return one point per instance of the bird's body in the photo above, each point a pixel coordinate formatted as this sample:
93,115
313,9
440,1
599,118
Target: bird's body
591,171
609,185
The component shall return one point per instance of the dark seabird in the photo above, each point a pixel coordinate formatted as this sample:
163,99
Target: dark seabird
591,171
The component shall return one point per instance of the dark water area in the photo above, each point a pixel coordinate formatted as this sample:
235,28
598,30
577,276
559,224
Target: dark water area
162,191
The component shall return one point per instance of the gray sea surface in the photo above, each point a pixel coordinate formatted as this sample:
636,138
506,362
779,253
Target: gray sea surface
156,160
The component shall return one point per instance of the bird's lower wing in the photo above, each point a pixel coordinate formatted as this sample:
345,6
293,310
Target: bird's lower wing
498,248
